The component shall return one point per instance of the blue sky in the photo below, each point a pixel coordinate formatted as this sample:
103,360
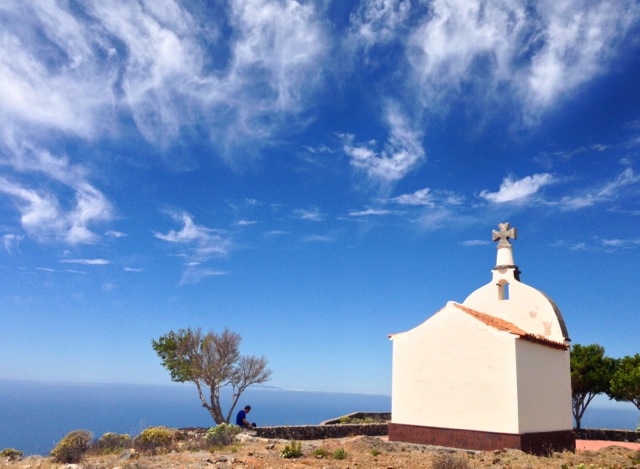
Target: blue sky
314,175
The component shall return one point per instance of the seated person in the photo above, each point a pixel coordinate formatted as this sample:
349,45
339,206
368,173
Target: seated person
241,418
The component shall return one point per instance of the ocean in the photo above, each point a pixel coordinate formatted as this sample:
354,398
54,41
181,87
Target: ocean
34,416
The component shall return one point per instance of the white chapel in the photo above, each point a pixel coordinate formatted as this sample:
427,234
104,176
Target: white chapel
491,372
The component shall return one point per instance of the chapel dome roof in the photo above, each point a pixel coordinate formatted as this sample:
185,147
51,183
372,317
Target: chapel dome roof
508,298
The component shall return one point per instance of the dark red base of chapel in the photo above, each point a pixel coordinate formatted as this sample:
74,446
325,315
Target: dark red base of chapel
542,443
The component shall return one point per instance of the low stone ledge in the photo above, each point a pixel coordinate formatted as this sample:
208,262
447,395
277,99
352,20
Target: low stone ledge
608,435
377,417
321,432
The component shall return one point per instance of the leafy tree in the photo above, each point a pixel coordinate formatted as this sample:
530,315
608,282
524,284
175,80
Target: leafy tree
211,360
625,383
591,374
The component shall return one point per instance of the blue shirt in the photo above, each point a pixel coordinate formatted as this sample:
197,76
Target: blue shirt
240,418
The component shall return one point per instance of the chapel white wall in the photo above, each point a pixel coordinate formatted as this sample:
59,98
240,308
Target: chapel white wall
544,388
453,371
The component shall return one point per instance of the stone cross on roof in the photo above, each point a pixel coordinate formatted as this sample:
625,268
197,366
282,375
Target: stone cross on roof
504,234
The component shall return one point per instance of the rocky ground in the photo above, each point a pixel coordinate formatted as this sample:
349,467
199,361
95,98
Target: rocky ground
352,452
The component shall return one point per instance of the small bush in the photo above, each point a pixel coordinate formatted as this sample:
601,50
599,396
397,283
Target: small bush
72,447
11,453
113,442
340,453
375,452
154,438
292,450
354,420
320,453
222,435
449,461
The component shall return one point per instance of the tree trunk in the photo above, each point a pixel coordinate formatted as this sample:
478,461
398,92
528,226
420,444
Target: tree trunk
213,408
236,396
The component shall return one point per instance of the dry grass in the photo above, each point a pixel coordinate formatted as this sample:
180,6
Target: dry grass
359,451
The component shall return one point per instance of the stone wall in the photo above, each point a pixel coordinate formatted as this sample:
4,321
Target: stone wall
608,435
377,417
320,432
333,428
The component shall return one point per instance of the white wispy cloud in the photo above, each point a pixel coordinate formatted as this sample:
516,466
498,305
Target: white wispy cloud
475,242
319,239
449,42
275,233
419,197
378,21
605,192
160,60
86,261
282,39
518,190
196,273
429,198
319,149
621,243
311,214
200,243
602,245
53,83
72,271
401,153
63,205
75,70
115,234
578,39
538,53
370,212
11,241
44,217
246,222
547,159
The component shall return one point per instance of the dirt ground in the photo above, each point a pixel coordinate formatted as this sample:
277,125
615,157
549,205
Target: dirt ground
595,445
358,452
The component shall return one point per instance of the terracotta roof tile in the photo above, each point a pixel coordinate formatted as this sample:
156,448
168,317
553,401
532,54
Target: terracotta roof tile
503,325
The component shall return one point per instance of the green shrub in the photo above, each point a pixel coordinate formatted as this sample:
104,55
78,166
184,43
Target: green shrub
222,435
292,450
154,438
320,453
72,447
375,452
11,453
113,442
340,453
354,420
